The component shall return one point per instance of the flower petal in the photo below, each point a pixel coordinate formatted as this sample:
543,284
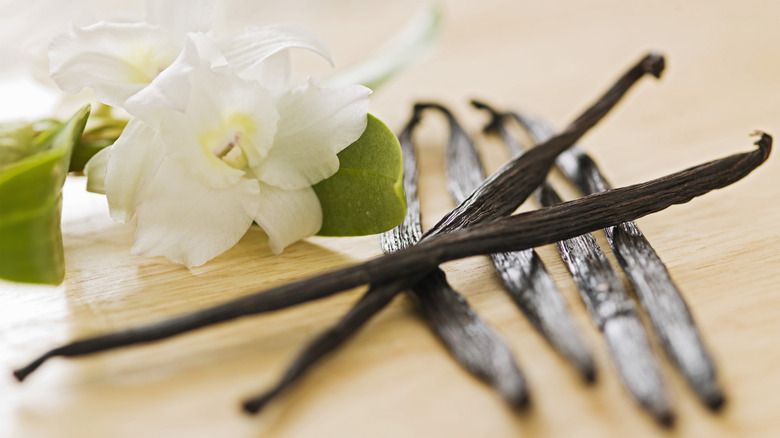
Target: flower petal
273,73
95,169
115,59
188,222
288,216
225,116
171,88
134,158
179,137
223,103
316,124
247,52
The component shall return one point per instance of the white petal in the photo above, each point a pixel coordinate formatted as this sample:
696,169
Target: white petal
114,59
223,99
171,88
316,124
222,107
188,222
134,159
179,135
247,52
182,16
288,216
95,169
273,73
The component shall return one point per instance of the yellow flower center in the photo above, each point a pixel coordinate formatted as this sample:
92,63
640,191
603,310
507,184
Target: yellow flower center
145,64
227,141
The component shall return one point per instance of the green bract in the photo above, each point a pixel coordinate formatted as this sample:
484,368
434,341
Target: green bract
32,171
366,195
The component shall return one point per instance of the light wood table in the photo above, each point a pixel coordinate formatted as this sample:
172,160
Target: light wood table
394,379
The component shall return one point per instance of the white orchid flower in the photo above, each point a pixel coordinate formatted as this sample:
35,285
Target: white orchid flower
212,149
118,59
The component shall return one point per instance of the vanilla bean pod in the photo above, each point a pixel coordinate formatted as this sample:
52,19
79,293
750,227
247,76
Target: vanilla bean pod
517,179
369,304
607,301
469,339
522,272
518,232
659,296
501,194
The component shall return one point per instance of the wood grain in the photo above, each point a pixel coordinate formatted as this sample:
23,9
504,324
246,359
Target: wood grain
394,379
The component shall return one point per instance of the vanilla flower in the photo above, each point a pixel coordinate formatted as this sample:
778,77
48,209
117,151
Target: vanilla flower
118,59
213,147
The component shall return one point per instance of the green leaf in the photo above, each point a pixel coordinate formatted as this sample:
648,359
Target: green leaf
366,195
31,204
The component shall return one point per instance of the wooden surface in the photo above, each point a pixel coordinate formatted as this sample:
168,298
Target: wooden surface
394,379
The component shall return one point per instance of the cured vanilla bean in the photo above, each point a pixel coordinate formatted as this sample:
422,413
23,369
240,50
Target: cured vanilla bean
607,301
472,342
467,337
522,175
518,232
507,188
657,292
522,272
369,304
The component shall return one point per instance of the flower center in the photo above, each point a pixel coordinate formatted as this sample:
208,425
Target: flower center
228,141
145,64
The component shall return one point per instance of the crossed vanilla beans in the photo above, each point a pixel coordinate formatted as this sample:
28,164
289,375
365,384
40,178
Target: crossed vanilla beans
501,194
498,196
520,231
471,342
